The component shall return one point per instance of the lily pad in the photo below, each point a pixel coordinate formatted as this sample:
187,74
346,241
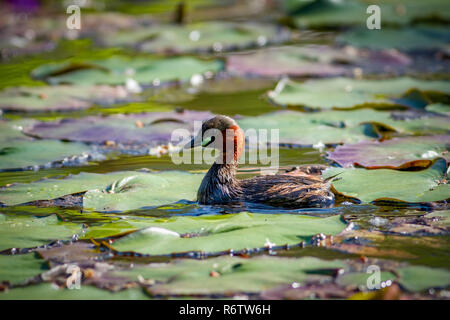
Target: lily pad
61,98
346,93
30,231
411,38
117,69
219,233
442,218
392,185
18,268
397,153
330,127
18,151
439,108
419,278
413,278
330,13
109,192
203,36
315,60
48,291
149,129
230,274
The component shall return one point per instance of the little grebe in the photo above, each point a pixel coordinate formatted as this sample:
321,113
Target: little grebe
304,188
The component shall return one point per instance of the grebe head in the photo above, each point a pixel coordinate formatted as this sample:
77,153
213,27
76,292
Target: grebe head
222,133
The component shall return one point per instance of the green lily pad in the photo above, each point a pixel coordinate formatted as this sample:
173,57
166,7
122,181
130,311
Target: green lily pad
412,278
397,153
330,13
411,38
117,69
202,36
359,279
25,154
61,98
346,93
420,278
18,151
30,231
439,108
115,191
443,218
184,277
137,191
393,185
328,127
47,291
218,233
18,268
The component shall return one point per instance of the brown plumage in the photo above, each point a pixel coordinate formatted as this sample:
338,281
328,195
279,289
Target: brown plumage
301,188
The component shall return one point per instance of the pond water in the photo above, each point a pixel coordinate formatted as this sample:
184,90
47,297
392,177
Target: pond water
125,215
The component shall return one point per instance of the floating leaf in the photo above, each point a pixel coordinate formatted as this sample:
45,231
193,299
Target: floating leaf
58,98
439,108
360,279
419,278
442,217
18,268
346,93
184,277
18,151
203,36
330,13
392,185
25,154
411,38
330,127
397,153
156,128
315,60
117,69
29,231
218,233
138,189
413,278
48,291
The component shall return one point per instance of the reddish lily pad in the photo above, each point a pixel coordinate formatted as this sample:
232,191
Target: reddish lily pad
315,60
398,153
146,128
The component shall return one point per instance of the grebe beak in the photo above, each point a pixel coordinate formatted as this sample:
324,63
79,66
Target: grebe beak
197,142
